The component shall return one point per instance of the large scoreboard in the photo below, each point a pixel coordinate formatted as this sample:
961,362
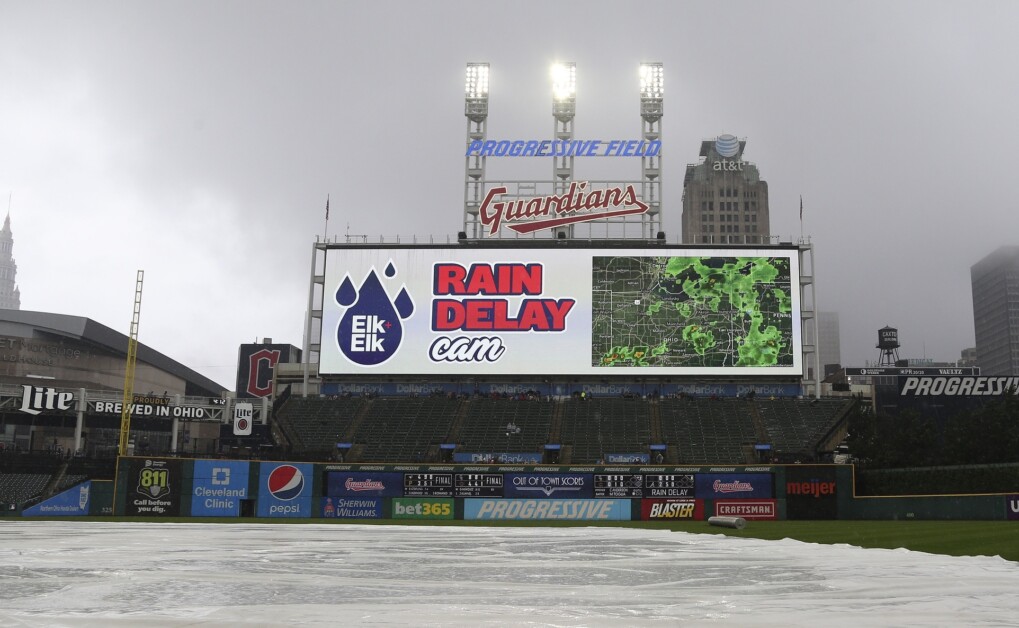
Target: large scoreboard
561,311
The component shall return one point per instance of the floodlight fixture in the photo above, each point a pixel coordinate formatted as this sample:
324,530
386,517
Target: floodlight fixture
652,81
477,81
564,81
476,92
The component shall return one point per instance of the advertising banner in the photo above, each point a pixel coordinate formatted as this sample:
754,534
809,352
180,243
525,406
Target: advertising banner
363,484
957,386
352,508
549,485
627,458
1012,507
244,413
153,487
755,509
284,490
733,485
74,502
497,458
219,486
150,410
659,509
547,509
811,492
422,508
488,311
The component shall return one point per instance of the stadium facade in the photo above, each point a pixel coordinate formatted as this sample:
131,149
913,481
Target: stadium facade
62,385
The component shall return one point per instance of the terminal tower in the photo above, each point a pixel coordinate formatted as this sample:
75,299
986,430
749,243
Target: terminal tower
10,295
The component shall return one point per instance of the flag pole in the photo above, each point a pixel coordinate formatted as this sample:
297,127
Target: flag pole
801,217
327,218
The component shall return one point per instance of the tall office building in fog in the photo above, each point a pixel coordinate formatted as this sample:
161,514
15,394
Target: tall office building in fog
995,282
724,199
10,294
828,346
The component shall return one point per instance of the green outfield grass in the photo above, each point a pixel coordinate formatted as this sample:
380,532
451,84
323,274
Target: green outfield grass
952,538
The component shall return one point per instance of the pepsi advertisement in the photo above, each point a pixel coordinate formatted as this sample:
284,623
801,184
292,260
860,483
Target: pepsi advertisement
363,484
284,490
733,485
549,485
219,487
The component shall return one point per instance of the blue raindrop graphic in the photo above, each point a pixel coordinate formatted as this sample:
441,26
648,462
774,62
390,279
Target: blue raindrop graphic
370,331
347,293
390,269
404,304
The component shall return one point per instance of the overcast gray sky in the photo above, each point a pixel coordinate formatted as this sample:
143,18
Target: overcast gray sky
198,141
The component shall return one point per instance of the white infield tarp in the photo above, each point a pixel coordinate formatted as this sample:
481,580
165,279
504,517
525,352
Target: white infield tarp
63,573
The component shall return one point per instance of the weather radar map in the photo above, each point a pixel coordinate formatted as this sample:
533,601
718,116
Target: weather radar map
692,312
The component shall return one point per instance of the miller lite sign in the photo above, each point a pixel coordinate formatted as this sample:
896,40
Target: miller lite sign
37,400
243,415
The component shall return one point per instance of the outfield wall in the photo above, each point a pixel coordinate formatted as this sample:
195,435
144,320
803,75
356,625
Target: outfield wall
171,487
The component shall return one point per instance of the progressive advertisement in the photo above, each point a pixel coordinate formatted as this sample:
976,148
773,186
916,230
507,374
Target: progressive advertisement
481,311
547,509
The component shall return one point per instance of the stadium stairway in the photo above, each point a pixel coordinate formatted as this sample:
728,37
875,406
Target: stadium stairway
759,427
348,436
457,425
555,428
54,483
655,420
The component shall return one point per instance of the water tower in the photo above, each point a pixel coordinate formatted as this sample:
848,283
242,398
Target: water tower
888,343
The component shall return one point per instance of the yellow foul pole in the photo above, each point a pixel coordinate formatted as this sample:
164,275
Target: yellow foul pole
132,355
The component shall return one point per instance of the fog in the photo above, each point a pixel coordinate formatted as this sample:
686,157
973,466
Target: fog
199,142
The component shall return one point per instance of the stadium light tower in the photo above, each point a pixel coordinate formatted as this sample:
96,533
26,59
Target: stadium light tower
476,110
652,85
564,109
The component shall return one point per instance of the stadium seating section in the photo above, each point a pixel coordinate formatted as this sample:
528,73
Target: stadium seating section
695,430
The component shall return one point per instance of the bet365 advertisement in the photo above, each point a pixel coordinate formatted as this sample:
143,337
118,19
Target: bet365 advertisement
484,311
